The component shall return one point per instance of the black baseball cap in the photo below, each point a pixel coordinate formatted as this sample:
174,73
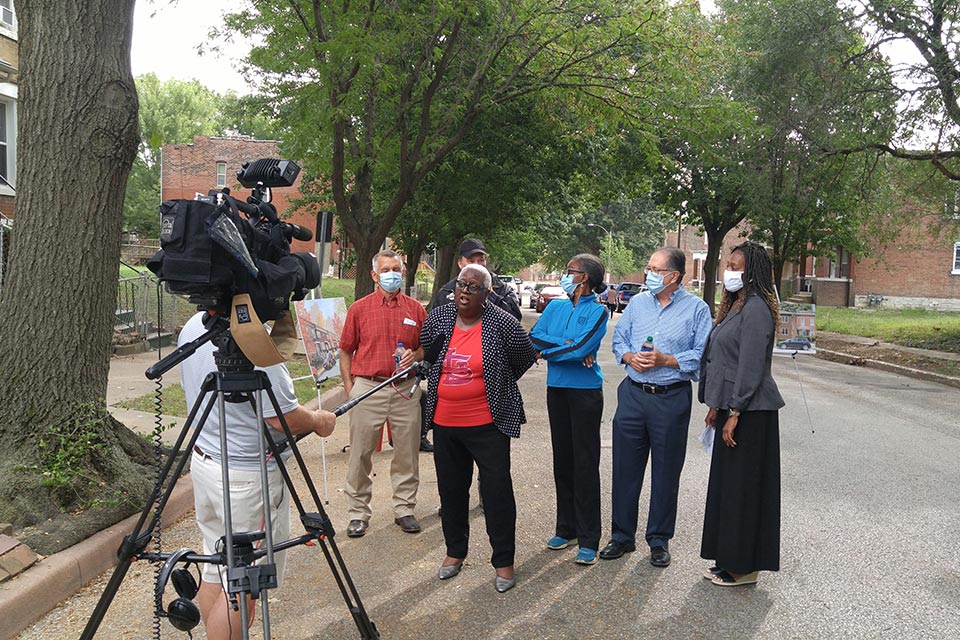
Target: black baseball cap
470,246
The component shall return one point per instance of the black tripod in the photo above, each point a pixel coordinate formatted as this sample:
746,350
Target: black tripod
234,381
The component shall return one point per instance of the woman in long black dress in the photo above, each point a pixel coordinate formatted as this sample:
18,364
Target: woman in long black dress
741,528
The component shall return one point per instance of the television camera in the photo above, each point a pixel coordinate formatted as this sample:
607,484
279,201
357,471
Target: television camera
216,246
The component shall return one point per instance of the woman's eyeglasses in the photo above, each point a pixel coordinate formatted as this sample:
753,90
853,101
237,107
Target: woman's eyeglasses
574,272
469,287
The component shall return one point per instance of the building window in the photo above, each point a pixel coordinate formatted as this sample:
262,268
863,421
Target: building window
8,144
3,139
221,175
956,258
7,18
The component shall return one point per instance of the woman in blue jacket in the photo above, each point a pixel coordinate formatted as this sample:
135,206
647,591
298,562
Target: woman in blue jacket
567,336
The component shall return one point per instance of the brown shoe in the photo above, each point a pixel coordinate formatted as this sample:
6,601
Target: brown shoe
408,524
357,528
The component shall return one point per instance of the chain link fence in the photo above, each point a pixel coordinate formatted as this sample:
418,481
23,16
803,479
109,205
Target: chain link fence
146,316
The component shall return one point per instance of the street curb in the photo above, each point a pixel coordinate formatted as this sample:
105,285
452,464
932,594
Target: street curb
29,596
846,358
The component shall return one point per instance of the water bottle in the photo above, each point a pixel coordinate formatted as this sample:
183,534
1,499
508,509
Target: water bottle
397,355
647,345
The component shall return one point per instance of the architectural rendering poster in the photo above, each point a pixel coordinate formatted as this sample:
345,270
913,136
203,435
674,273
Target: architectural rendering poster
321,322
797,332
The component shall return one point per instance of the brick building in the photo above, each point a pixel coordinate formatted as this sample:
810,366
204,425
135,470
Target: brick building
919,267
212,163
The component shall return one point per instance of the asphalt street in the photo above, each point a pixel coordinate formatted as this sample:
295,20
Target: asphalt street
870,488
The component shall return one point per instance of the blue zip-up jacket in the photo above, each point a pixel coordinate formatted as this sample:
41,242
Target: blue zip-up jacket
565,335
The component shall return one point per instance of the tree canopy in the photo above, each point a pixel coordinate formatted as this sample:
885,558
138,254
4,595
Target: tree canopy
928,88
393,89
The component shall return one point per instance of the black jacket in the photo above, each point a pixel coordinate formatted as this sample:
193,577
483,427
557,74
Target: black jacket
507,354
502,296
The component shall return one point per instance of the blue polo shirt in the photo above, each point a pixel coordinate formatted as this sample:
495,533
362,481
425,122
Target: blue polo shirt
565,335
679,329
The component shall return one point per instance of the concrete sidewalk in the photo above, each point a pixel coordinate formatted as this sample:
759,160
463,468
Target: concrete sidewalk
921,374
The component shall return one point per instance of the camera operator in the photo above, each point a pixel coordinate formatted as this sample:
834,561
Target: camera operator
220,620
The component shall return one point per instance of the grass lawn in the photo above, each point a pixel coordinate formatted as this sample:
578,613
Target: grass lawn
909,327
338,288
175,404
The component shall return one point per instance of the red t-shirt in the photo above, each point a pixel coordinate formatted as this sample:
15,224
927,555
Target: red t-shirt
374,326
462,394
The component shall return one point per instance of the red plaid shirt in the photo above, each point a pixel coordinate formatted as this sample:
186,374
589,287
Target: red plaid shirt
374,326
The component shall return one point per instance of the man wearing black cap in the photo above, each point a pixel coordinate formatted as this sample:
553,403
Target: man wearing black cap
473,252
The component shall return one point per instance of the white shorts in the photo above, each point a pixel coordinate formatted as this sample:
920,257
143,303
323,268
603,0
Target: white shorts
246,509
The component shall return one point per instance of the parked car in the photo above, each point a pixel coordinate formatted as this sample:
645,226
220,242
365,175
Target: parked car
535,293
796,344
546,295
511,281
625,291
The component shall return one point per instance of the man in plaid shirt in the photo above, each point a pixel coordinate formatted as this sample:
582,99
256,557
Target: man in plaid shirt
376,324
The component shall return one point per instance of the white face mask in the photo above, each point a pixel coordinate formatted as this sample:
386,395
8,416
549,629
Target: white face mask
733,281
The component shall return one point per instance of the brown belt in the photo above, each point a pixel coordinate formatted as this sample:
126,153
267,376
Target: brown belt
197,450
384,378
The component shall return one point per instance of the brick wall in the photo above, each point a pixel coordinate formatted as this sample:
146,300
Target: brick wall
832,292
9,52
917,264
7,204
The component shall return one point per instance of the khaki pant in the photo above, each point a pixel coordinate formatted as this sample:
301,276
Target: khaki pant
366,426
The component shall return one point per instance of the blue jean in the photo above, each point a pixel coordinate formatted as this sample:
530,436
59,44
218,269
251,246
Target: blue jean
653,425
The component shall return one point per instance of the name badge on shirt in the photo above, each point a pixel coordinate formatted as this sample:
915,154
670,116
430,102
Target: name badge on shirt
409,322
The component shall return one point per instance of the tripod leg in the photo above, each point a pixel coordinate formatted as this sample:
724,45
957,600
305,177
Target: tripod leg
135,541
319,524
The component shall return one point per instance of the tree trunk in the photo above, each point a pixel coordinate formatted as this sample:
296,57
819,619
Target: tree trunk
710,265
445,262
78,135
413,260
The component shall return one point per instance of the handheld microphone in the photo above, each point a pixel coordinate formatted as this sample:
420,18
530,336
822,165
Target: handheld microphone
431,356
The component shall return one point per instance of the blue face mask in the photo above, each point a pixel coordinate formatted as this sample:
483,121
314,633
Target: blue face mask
568,285
654,282
391,281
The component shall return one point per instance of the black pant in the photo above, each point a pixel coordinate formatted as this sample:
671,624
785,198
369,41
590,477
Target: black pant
575,432
455,450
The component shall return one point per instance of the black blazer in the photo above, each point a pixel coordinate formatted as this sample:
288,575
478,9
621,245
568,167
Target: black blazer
735,368
507,354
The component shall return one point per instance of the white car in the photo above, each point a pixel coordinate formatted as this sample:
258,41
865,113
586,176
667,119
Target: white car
511,282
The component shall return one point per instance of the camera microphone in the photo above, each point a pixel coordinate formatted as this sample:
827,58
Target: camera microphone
296,232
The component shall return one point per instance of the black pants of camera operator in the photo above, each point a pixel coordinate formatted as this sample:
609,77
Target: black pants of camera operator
455,449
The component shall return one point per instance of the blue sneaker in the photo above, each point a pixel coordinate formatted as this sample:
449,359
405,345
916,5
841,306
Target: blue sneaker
556,543
586,556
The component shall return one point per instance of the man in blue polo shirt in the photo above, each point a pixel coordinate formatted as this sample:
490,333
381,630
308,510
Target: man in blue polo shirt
653,402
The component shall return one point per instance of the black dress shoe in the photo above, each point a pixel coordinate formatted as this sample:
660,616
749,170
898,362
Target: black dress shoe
357,528
408,524
425,445
659,557
615,549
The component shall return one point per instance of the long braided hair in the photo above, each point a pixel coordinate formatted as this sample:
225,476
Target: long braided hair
757,277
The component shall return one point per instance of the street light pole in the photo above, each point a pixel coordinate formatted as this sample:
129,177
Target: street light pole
609,243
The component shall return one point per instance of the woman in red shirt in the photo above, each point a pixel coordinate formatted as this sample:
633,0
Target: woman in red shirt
475,406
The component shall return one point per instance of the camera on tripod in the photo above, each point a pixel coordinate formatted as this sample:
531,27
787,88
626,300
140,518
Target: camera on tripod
216,246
